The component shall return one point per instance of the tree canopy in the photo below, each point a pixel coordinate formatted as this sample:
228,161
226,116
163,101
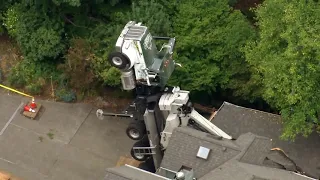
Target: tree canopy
210,34
273,57
286,57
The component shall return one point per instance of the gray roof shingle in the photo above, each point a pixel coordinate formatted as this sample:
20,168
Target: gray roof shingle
183,148
270,173
113,176
228,160
257,151
228,171
130,173
237,170
247,158
237,120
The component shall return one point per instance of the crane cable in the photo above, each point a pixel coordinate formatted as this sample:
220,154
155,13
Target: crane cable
16,91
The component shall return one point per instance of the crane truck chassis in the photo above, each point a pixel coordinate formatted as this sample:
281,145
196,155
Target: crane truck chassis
158,109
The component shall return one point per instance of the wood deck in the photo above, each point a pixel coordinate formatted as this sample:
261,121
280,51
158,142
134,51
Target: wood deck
127,160
6,176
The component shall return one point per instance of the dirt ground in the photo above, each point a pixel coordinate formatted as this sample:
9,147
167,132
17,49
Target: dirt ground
109,99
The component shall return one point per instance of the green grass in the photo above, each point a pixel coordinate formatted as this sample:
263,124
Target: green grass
50,135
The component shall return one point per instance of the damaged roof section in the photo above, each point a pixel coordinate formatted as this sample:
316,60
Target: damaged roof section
236,120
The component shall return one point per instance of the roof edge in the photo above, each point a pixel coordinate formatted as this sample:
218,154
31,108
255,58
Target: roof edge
228,103
147,172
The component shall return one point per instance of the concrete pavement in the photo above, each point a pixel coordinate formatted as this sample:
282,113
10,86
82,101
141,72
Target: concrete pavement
66,142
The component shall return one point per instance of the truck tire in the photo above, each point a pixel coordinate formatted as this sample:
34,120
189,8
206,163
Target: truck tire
136,130
140,157
119,60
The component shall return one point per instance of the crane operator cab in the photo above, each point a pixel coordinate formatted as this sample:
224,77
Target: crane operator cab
139,60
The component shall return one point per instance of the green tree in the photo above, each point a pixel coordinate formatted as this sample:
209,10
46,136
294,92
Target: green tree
39,35
152,14
44,30
69,2
4,4
209,36
103,39
286,57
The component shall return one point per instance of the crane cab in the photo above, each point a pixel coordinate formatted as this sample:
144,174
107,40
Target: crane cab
139,60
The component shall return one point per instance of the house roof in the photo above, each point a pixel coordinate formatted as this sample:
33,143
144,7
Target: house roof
130,173
237,120
183,148
245,158
237,170
249,157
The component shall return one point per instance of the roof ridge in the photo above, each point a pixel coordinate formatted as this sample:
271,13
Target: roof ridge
228,103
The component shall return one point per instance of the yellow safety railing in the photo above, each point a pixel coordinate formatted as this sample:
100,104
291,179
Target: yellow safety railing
16,91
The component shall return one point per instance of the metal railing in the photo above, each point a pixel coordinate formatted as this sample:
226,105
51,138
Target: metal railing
144,150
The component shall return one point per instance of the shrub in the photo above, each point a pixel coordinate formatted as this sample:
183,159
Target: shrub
77,65
39,36
65,95
34,88
16,78
106,38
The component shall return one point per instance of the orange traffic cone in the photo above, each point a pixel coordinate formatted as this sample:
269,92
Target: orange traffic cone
27,108
33,105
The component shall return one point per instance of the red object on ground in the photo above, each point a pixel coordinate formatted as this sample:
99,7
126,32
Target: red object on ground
33,105
27,108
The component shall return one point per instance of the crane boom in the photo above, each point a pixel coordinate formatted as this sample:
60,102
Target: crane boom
207,125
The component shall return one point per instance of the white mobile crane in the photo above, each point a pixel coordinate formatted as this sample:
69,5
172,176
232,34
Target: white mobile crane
158,109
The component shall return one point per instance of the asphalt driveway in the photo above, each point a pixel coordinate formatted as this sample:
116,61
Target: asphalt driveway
67,141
